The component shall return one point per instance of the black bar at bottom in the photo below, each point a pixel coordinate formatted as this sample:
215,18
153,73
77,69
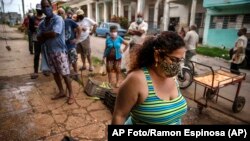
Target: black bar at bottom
189,132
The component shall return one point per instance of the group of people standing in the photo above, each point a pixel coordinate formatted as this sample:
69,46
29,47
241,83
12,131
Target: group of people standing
59,38
154,63
113,51
150,92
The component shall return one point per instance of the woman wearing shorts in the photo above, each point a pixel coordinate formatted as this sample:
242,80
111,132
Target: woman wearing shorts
113,54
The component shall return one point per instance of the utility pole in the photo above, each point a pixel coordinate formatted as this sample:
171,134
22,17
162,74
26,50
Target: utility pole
2,3
23,8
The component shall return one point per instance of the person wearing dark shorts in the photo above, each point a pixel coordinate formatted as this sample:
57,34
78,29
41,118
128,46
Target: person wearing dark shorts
113,54
33,25
72,35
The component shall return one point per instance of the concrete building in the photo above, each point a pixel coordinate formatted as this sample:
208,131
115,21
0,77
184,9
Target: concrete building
223,19
12,18
158,13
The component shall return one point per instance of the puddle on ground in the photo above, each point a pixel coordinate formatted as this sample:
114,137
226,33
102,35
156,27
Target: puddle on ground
30,83
26,88
3,85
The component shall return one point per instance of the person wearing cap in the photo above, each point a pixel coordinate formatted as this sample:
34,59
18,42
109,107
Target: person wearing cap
83,47
33,26
74,17
72,35
52,36
138,31
69,14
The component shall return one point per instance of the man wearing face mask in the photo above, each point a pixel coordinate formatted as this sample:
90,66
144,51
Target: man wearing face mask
33,25
52,36
69,14
83,47
137,30
72,35
238,52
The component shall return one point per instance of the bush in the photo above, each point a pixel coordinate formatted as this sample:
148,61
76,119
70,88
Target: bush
213,52
114,19
123,21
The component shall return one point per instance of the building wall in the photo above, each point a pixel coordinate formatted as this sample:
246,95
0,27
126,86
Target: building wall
211,3
223,37
181,11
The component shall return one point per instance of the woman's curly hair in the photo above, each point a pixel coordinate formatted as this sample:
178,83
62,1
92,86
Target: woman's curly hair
166,42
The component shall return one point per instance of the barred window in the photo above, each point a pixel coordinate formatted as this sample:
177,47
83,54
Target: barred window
199,19
223,22
246,19
230,21
246,22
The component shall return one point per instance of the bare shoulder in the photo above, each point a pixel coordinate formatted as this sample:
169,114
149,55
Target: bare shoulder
134,79
136,75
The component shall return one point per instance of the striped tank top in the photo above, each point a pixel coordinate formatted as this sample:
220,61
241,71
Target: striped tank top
157,111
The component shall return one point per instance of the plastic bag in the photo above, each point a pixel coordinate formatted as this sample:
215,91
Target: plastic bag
44,60
103,70
125,60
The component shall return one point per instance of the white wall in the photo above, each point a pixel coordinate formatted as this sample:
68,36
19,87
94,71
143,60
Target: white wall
181,11
145,12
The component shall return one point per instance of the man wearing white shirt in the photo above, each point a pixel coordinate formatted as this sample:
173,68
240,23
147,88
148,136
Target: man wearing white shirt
238,53
83,47
138,31
191,40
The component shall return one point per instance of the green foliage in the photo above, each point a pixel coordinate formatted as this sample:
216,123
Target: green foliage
66,8
213,52
123,21
96,61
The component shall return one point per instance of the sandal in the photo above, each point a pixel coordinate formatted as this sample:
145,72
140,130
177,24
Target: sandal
91,69
82,68
34,76
71,100
46,73
74,75
58,96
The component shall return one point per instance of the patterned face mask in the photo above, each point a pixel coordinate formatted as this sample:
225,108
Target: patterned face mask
170,70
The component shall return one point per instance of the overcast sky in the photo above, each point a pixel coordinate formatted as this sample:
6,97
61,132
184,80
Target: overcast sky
16,5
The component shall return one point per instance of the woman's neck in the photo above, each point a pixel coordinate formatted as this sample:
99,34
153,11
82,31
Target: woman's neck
157,72
113,38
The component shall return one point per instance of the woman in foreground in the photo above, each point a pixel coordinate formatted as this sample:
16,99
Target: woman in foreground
150,93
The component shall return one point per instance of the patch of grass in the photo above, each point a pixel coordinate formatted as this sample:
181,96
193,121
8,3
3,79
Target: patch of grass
96,61
213,52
